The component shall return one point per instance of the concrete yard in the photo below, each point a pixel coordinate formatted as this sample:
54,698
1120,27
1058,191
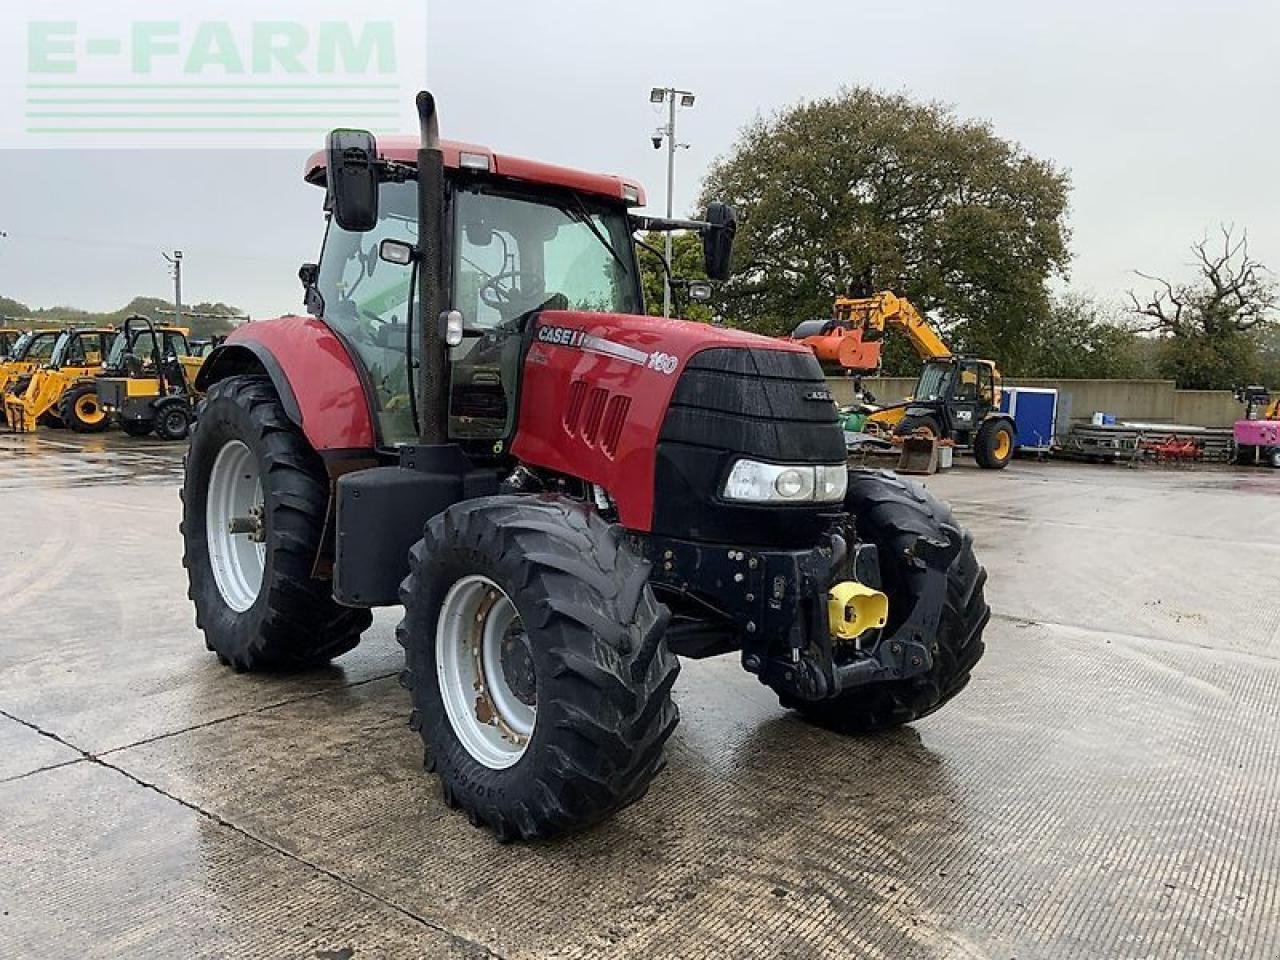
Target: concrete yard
1107,787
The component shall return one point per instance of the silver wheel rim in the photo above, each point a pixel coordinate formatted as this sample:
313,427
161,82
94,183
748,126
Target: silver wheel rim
484,671
235,502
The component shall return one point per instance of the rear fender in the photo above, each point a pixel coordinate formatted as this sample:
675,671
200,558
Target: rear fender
313,372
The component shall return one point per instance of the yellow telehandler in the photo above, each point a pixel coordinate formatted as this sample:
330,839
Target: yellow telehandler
61,392
29,351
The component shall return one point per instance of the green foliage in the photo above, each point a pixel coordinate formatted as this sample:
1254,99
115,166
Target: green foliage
1081,339
867,191
201,327
686,256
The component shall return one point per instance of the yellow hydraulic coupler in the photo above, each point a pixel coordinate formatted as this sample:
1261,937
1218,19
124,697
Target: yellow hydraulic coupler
854,608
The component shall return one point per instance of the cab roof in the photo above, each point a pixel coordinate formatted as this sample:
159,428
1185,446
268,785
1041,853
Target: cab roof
458,155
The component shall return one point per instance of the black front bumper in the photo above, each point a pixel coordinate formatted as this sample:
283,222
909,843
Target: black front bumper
772,605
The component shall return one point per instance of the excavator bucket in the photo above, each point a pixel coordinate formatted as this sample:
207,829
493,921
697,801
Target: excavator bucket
919,454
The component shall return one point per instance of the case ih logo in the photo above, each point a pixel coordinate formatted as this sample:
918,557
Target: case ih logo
561,336
581,340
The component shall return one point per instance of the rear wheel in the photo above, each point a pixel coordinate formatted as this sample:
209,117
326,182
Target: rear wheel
80,410
137,428
1273,457
535,658
255,498
892,512
994,444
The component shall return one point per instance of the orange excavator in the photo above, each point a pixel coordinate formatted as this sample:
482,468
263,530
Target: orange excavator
956,398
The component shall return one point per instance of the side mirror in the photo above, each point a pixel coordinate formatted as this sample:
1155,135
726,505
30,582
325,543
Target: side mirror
353,179
717,240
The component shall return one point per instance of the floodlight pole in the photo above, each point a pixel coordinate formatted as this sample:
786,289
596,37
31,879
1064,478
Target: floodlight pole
670,94
176,262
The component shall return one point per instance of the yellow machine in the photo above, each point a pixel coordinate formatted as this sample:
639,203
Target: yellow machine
956,398
147,380
61,392
29,351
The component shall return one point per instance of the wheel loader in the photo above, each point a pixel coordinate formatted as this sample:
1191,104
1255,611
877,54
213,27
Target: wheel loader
478,422
61,392
147,381
957,398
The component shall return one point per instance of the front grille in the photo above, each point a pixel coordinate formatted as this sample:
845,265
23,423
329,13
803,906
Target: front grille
769,405
765,404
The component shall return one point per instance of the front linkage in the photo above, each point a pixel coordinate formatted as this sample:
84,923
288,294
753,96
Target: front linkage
782,609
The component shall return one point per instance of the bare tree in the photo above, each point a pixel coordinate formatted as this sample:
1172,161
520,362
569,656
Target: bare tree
1232,293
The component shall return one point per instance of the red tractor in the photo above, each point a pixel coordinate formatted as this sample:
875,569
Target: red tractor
479,422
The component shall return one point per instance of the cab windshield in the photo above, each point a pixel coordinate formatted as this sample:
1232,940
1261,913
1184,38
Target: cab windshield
933,381
35,347
514,255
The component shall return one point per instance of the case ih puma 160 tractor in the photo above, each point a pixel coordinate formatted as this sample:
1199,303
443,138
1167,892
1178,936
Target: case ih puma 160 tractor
479,422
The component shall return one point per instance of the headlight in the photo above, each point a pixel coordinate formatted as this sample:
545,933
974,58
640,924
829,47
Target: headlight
753,482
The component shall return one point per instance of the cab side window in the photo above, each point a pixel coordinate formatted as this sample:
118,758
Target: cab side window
366,301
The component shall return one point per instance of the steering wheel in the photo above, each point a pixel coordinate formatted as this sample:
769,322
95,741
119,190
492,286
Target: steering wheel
498,297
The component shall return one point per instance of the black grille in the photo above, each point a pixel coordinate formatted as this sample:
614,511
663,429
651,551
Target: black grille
769,405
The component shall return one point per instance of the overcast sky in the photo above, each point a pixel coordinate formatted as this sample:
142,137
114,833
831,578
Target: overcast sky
1163,112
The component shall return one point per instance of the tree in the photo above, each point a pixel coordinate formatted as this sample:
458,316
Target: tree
686,257
1082,339
865,191
1209,327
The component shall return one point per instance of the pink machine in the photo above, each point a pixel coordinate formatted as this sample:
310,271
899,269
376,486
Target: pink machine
1258,436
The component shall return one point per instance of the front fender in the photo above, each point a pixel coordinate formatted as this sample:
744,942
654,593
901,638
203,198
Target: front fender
313,372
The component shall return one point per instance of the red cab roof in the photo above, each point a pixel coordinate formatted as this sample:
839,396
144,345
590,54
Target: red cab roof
405,150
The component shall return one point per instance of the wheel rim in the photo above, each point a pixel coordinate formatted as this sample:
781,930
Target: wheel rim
87,408
234,524
484,667
1004,444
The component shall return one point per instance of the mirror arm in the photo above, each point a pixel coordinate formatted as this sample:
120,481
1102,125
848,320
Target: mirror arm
668,224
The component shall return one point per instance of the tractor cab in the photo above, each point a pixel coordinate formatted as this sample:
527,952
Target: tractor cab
962,390
515,252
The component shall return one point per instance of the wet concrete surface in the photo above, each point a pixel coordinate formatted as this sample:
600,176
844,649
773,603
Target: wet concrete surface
1108,786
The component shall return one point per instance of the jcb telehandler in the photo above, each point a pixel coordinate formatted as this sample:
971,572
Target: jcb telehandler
29,351
957,398
479,422
147,381
61,392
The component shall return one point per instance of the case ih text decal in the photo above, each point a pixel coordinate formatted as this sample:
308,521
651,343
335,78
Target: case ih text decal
581,340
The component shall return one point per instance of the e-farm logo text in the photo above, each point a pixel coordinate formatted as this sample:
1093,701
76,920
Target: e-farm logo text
258,80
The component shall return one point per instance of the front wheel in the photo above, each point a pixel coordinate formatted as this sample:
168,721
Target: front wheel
81,411
535,658
893,512
994,444
254,501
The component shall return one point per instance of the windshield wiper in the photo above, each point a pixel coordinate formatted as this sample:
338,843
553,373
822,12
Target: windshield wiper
582,216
